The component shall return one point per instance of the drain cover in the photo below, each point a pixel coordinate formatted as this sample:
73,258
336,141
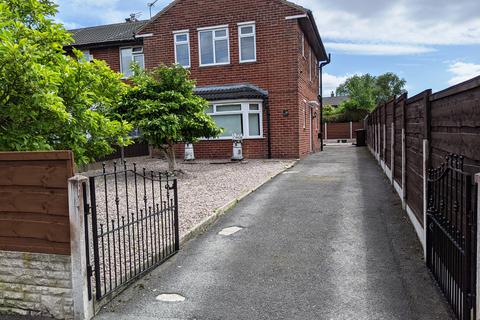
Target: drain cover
229,231
170,297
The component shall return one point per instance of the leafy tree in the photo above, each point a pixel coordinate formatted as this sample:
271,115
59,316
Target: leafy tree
50,100
388,85
365,92
360,89
163,106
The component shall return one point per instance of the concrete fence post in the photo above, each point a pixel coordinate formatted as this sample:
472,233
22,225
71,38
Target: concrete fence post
82,307
477,182
425,192
326,131
351,130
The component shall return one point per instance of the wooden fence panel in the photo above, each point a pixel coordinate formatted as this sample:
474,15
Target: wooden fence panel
388,133
398,120
455,125
381,120
415,115
34,201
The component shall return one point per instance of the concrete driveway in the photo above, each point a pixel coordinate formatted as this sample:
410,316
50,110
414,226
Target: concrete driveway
325,240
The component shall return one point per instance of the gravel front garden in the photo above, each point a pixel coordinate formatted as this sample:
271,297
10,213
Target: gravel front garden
203,187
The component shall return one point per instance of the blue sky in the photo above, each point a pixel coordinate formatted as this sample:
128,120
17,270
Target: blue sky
431,43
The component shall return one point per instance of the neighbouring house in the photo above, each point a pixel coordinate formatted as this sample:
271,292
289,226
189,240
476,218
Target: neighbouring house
255,61
334,100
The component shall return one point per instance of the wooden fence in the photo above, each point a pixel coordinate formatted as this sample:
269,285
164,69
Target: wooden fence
34,213
410,135
341,130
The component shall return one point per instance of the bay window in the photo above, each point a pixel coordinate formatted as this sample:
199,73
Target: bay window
182,48
237,118
128,56
214,46
247,42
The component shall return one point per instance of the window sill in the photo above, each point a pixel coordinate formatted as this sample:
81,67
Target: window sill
230,138
248,62
214,65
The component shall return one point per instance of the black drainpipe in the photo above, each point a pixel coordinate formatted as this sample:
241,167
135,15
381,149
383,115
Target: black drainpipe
320,98
269,139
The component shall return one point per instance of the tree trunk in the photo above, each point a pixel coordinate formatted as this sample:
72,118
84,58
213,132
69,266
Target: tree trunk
169,152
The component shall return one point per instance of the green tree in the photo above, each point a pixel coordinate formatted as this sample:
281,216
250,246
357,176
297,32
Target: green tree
163,106
388,85
365,93
360,89
50,100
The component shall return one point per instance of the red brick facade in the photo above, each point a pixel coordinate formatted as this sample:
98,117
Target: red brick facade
281,69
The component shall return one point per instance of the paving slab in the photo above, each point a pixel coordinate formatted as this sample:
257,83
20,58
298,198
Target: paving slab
328,241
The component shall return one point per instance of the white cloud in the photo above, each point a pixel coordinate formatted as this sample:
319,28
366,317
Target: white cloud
378,48
463,71
426,22
331,82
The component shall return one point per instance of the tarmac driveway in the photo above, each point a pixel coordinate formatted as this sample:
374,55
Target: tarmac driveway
325,240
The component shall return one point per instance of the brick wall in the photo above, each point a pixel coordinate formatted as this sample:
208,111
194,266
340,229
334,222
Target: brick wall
276,70
34,284
308,89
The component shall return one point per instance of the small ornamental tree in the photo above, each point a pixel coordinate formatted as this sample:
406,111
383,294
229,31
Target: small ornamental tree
162,104
50,100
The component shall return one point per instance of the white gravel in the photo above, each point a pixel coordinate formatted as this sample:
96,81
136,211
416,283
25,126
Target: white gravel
204,185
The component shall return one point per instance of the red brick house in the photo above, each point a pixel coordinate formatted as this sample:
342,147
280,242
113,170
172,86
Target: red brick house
255,61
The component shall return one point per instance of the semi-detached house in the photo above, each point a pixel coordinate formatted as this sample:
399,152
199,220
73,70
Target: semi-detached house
256,61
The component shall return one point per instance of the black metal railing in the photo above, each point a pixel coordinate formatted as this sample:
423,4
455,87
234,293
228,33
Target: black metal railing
131,219
451,234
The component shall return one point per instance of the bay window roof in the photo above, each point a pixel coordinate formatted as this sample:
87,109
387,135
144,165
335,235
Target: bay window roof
231,92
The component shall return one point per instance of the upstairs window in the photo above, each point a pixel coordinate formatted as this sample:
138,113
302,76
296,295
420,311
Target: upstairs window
303,45
214,46
247,42
128,56
310,65
182,48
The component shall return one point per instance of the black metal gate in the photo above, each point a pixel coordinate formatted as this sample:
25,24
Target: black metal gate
131,219
451,234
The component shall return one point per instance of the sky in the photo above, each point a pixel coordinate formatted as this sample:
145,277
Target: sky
432,44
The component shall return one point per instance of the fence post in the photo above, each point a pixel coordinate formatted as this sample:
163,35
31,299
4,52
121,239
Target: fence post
404,155
477,182
351,130
326,131
426,156
392,152
82,307
175,217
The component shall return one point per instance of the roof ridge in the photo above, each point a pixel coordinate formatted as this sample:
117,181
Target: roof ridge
109,25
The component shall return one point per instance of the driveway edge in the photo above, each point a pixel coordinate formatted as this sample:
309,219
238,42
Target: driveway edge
206,223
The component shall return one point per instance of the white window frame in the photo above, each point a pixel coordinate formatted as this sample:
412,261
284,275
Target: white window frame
245,111
212,30
240,36
310,64
305,106
303,45
175,43
121,59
